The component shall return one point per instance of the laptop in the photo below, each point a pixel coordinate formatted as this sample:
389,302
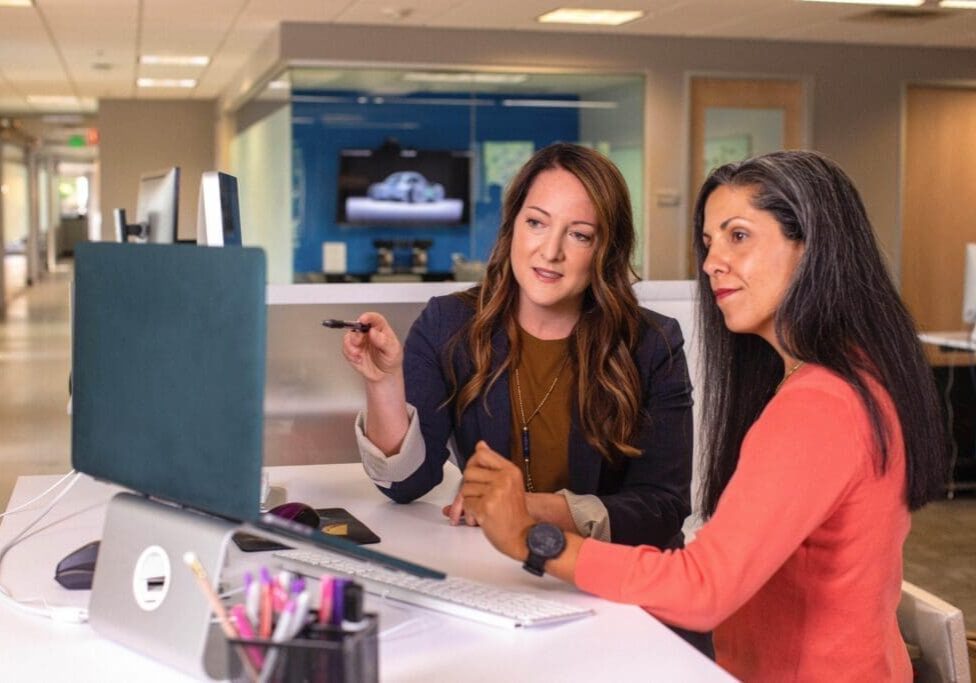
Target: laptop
168,355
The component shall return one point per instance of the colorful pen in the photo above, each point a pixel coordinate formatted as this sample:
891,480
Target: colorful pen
338,600
281,633
238,617
325,599
264,622
252,598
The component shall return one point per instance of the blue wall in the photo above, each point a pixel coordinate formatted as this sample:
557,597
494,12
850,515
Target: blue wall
323,123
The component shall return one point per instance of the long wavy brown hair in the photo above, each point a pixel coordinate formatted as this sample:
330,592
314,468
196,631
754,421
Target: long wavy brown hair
601,348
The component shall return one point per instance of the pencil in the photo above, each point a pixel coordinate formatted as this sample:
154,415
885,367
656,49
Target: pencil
216,606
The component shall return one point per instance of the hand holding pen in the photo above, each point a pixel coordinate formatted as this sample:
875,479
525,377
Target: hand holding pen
376,353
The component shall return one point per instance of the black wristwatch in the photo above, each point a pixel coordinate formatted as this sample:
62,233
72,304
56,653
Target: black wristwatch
546,542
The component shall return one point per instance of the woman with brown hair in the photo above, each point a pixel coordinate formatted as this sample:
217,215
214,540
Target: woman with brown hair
550,362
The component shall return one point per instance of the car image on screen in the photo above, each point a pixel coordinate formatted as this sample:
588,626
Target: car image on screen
406,186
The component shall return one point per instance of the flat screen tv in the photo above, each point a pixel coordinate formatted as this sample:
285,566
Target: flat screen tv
403,186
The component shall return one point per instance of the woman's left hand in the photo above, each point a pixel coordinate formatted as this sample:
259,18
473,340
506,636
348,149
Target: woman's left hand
494,495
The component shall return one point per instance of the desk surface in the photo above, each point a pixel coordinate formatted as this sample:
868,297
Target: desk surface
620,642
961,341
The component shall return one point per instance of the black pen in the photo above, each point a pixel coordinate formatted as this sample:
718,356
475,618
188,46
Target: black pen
339,324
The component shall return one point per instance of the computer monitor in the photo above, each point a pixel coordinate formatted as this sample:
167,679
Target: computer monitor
157,209
158,205
969,289
218,211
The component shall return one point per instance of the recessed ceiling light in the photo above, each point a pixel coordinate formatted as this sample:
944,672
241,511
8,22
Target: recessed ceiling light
887,3
600,17
52,100
16,3
166,82
175,60
280,84
448,77
958,4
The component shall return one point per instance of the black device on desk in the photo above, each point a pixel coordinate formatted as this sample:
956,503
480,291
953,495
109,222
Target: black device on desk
168,353
333,521
76,570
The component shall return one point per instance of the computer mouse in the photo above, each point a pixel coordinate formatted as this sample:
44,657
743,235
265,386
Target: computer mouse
299,512
76,570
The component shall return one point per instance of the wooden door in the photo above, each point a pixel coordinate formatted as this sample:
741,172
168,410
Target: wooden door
761,115
939,202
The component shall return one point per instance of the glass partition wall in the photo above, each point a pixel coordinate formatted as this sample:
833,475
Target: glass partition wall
367,175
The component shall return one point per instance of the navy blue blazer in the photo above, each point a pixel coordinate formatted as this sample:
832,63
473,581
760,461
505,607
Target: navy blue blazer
647,497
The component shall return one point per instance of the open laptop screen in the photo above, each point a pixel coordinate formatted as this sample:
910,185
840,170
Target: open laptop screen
168,355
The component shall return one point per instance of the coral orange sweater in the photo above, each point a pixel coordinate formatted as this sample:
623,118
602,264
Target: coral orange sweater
799,570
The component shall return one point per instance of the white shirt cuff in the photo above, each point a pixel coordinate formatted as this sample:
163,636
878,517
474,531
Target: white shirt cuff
589,514
385,470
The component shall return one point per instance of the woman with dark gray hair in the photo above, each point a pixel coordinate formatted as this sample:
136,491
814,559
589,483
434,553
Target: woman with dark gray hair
822,431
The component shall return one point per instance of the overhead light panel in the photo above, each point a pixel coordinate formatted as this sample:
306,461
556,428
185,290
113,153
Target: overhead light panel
174,60
886,3
958,4
16,3
593,17
166,82
451,77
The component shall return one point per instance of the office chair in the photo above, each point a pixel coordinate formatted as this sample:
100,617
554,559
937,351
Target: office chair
938,629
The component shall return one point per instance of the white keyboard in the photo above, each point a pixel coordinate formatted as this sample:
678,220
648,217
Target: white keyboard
453,595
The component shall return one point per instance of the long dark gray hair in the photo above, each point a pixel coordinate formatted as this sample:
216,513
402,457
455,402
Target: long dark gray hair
840,311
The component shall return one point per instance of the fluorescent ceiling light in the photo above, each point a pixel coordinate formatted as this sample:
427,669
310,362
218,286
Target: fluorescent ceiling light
448,77
891,3
599,17
52,100
16,3
280,84
561,104
175,60
166,82
958,4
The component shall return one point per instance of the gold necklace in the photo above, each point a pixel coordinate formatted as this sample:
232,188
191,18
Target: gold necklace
787,376
526,450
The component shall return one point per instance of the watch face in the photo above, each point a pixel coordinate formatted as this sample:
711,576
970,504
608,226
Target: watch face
546,540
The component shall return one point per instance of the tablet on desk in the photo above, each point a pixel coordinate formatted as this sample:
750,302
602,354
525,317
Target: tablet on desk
337,522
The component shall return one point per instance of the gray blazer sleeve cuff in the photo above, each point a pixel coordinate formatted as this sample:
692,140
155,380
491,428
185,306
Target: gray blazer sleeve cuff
589,514
386,470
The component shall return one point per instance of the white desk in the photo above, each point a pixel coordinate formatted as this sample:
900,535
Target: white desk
958,341
619,643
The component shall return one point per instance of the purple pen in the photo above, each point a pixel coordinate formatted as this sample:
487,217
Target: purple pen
338,601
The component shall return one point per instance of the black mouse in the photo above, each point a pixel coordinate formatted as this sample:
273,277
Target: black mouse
76,570
299,512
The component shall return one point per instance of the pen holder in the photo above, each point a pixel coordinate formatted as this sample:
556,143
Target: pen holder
320,654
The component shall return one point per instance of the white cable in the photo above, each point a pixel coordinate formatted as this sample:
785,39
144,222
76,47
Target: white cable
62,613
39,496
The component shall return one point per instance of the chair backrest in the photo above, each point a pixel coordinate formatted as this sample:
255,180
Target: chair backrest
938,629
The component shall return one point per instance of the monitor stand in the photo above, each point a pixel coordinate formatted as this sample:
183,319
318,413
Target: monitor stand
146,598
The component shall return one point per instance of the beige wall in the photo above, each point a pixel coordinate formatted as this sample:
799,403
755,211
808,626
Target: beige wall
147,135
856,96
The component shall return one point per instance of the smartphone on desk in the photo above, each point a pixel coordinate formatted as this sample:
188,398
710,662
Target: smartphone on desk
337,522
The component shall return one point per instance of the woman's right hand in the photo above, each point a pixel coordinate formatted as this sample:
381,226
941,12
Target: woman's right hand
377,354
